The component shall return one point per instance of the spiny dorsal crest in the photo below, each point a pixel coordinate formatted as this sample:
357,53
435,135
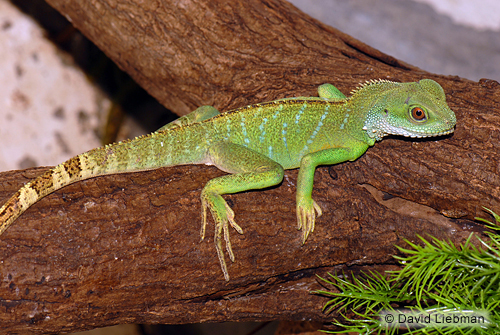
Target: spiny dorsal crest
369,83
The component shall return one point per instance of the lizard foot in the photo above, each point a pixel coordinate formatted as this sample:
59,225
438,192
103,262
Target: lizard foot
306,216
223,216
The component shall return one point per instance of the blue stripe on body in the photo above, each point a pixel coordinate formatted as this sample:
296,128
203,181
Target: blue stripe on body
315,132
262,129
299,115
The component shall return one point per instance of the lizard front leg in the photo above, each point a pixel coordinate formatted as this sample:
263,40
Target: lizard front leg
306,206
330,92
250,170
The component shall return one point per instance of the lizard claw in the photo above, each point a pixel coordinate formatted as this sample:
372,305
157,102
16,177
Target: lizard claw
223,217
306,216
225,228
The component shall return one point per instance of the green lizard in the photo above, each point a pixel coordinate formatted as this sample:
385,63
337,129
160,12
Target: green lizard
256,143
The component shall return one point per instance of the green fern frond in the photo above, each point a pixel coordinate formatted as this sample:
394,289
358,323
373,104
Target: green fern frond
436,276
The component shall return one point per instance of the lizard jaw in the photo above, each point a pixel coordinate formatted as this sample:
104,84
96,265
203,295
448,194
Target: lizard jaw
390,130
385,129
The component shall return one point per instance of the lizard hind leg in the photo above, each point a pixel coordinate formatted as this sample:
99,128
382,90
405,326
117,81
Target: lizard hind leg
198,115
249,170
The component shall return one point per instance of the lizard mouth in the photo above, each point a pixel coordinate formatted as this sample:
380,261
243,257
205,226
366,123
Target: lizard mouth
414,134
391,130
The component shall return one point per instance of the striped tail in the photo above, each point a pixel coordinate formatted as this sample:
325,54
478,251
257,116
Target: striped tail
52,180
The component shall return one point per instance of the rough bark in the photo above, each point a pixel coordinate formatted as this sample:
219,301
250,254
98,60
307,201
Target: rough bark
125,248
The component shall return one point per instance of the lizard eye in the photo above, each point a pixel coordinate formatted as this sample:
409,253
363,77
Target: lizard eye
418,114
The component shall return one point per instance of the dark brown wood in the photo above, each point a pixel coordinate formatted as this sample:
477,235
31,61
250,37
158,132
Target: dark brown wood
125,248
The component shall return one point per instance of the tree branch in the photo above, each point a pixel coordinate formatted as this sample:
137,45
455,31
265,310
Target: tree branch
125,248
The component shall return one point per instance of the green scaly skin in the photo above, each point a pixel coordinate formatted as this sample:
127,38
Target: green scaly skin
255,144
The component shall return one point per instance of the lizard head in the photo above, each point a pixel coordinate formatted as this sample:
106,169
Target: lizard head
416,109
